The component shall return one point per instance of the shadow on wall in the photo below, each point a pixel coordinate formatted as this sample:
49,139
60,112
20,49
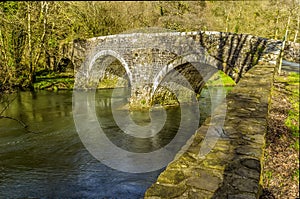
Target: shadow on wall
236,53
65,65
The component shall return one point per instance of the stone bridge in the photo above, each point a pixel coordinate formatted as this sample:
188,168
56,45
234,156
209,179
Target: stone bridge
232,168
147,62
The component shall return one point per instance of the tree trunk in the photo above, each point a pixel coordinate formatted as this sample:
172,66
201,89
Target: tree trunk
44,11
297,29
283,45
31,67
227,22
276,25
5,64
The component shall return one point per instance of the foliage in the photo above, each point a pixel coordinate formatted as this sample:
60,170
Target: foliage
220,79
31,33
54,81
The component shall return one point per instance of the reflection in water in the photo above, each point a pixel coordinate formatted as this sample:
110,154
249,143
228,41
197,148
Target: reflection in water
54,162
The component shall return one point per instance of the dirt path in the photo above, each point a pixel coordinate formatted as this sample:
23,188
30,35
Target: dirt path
281,169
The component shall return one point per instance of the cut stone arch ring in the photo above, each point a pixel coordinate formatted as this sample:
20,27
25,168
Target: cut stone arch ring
86,120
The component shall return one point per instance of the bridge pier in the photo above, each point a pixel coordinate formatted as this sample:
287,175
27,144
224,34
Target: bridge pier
232,168
175,86
140,97
152,61
144,98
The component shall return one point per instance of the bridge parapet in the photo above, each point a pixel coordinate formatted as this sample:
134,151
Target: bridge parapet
235,53
292,52
149,57
232,169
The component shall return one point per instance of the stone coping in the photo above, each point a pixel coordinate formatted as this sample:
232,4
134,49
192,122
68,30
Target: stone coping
233,168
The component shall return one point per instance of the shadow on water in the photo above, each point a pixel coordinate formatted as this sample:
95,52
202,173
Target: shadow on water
55,164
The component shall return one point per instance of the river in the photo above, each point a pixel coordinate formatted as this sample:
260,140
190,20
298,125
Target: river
52,162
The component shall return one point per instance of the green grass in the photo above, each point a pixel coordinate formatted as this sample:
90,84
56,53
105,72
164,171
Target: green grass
268,175
220,79
292,121
54,81
296,175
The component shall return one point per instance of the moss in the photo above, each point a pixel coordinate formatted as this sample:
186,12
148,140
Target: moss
59,81
140,105
108,83
54,84
220,79
164,97
163,191
54,81
143,101
171,177
112,81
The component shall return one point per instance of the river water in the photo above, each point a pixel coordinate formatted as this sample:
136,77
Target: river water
52,162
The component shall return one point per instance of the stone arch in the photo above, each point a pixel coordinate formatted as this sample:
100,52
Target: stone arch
105,58
205,65
65,64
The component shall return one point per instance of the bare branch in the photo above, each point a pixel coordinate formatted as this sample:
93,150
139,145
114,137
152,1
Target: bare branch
25,126
20,122
7,105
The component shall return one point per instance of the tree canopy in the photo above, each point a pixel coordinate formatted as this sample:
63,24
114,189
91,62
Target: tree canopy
31,33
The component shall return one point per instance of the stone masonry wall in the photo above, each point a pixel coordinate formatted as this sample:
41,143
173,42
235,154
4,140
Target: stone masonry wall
239,50
235,54
292,52
148,58
233,167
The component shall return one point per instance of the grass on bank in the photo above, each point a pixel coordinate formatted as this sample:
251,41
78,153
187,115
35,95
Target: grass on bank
54,81
61,81
292,121
220,79
291,90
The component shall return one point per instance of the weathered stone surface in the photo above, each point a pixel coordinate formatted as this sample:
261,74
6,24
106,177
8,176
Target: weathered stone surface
292,52
152,58
250,151
172,177
246,172
164,191
222,145
245,185
216,155
242,196
232,168
256,138
196,194
206,181
251,163
215,164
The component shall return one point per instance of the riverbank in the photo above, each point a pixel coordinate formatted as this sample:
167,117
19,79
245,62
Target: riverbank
54,81
281,169
65,81
220,79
